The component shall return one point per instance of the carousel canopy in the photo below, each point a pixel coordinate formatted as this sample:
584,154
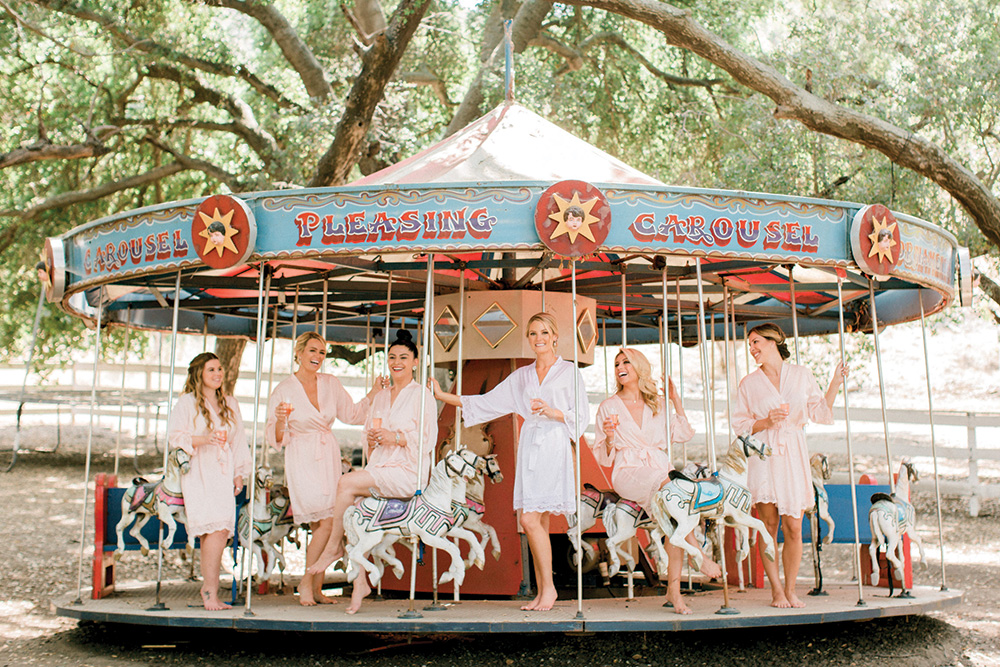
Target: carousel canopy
506,204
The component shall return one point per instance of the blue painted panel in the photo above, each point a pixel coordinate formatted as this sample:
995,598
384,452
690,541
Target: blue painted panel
840,510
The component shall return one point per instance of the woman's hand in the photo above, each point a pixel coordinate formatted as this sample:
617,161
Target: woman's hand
539,407
381,436
283,411
237,485
609,427
435,387
218,438
776,417
840,374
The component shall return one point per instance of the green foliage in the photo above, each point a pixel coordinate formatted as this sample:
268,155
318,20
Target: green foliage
63,80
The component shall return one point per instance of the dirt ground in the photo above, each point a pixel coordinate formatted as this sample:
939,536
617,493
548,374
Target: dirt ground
39,546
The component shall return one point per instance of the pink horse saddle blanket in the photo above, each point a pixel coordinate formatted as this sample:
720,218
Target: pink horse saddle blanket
635,509
143,494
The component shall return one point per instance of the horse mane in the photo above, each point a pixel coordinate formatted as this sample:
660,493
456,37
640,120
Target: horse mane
735,459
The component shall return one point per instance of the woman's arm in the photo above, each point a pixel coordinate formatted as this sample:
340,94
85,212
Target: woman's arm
838,379
443,396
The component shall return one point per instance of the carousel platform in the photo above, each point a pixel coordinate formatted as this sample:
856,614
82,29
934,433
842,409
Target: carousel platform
130,605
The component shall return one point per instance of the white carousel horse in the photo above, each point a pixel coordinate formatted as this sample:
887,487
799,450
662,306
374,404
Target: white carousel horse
593,502
463,512
272,522
820,468
622,520
474,509
143,500
680,505
371,521
891,517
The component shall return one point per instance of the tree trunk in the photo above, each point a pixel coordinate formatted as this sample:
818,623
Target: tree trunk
230,353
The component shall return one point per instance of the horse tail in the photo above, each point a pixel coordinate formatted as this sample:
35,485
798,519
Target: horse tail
610,519
661,515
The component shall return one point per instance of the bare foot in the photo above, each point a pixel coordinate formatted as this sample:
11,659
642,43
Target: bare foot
544,601
779,600
305,590
330,555
794,601
320,598
711,569
212,601
360,592
677,600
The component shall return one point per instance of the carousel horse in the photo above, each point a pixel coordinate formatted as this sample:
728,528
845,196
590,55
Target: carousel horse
143,500
272,522
464,511
372,523
891,517
680,505
474,509
593,502
622,520
820,468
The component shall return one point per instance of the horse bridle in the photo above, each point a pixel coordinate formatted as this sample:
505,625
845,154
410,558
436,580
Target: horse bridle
458,471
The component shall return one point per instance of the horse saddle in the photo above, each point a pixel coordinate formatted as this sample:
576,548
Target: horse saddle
704,493
142,492
877,497
635,509
389,513
600,499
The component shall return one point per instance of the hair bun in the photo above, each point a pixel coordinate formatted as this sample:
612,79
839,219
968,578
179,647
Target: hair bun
404,336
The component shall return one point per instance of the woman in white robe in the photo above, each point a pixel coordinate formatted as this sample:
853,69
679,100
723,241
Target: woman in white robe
301,412
554,413
774,403
632,437
397,453
206,423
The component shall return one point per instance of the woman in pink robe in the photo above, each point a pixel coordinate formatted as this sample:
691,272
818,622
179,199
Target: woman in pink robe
631,436
302,410
774,403
396,450
207,425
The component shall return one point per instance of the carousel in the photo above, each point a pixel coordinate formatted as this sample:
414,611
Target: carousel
461,244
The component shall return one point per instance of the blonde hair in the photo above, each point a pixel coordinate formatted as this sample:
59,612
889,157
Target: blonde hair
303,340
647,385
546,319
194,384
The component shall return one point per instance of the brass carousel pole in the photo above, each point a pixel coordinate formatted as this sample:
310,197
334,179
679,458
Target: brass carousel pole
930,415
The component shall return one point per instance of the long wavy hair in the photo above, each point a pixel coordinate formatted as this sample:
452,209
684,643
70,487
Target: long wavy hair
194,384
647,385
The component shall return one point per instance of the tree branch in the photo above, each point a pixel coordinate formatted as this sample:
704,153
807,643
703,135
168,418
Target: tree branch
378,65
245,124
794,103
608,37
113,26
43,150
78,196
425,77
232,181
296,52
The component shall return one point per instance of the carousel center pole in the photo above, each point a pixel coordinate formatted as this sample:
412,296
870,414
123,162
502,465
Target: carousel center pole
424,376
710,435
158,605
576,439
881,387
263,294
90,440
930,416
856,559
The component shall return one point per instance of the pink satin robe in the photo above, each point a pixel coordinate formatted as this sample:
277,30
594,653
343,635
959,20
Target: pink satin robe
208,486
395,468
784,477
312,455
639,451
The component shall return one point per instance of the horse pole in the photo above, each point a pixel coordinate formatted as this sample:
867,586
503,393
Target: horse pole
665,363
930,415
90,440
850,451
435,604
881,388
425,339
24,382
121,399
576,430
158,605
458,381
710,435
263,294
